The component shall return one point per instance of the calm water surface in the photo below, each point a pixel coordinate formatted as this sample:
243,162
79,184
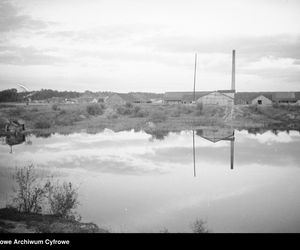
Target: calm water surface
135,182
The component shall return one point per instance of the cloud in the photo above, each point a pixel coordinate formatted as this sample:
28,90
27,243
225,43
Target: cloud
252,46
15,55
11,20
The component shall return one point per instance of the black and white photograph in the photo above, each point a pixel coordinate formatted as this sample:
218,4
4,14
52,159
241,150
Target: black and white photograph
149,117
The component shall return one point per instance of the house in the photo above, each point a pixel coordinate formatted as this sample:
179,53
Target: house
219,97
182,97
284,97
261,100
253,98
267,98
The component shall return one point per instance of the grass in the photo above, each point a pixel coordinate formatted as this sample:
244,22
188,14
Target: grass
75,117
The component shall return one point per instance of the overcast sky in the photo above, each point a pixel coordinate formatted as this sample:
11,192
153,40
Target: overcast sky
149,45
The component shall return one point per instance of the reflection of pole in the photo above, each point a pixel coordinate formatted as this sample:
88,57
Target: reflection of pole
231,153
195,77
10,149
194,155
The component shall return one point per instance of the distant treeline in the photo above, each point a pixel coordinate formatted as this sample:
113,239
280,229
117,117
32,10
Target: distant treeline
12,95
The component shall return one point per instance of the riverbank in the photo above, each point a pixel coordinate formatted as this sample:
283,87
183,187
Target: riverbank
12,221
93,118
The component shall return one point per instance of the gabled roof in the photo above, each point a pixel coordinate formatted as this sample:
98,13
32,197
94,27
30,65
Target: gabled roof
249,96
186,96
216,135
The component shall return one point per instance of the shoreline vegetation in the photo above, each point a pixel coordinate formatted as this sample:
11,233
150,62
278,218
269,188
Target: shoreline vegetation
39,204
94,118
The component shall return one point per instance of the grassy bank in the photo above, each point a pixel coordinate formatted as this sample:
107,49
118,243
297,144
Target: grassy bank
95,117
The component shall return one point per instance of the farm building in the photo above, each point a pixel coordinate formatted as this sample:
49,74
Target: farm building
261,100
182,97
220,97
284,97
267,98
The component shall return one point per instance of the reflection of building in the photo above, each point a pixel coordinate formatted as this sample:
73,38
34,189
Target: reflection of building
14,139
214,136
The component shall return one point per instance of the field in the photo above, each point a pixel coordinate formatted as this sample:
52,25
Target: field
92,118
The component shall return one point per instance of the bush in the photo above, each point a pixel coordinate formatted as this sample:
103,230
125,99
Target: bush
42,124
185,109
199,109
18,111
63,199
111,114
55,107
199,227
95,109
138,112
128,105
175,113
30,194
158,117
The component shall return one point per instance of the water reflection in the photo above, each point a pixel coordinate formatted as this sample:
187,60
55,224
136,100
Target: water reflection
214,136
14,139
140,181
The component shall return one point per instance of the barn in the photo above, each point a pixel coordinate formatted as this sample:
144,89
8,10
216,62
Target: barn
220,97
261,100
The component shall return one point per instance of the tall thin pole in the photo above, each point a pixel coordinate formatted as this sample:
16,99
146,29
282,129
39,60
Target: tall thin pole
194,155
233,71
195,76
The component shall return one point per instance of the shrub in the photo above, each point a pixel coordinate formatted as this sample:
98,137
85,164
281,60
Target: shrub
111,114
175,113
199,109
18,111
62,112
55,107
128,105
30,194
63,199
199,227
158,117
42,124
95,109
138,112
185,109
124,110
34,109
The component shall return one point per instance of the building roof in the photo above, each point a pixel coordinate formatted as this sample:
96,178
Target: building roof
186,96
249,96
280,96
215,135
